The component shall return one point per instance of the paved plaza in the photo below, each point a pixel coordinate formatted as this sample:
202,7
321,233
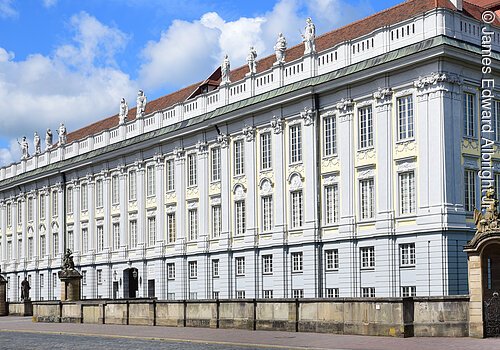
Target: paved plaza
21,333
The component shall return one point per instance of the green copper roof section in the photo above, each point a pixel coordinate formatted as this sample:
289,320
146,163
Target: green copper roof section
372,62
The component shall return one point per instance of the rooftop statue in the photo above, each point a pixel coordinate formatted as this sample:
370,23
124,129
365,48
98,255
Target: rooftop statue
141,104
24,148
123,111
252,60
309,36
62,134
280,48
48,139
36,143
225,69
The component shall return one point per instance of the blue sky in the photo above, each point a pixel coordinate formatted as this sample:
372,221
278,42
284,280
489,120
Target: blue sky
72,60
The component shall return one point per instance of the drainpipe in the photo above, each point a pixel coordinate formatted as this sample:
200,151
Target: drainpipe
318,199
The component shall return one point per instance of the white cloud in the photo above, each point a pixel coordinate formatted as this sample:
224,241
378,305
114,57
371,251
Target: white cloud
49,3
7,10
77,85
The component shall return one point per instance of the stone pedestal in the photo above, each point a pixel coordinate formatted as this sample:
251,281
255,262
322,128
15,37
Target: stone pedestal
70,285
3,297
24,308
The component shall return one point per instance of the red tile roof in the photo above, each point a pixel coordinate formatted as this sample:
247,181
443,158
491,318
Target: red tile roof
487,4
398,13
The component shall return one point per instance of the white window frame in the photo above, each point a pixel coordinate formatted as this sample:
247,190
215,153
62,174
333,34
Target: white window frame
42,203
100,238
267,264
407,256
115,190
132,185
331,203
116,236
192,170
367,257
265,151
239,157
406,118
84,197
132,234
99,193
215,268
297,209
469,107
85,239
151,180
171,271
193,224
193,269
367,198
215,157
216,220
151,231
469,189
171,227
240,265
331,259
330,136
239,217
407,193
55,204
267,213
297,262
295,143
170,174
365,135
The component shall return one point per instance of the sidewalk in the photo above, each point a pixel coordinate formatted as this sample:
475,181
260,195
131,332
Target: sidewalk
283,340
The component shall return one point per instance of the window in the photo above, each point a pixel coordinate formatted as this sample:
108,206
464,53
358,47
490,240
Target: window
30,248
240,217
297,262
331,203
405,117
115,190
99,194
268,294
171,271
192,173
19,248
297,209
132,185
69,200
216,221
367,199
240,294
42,280
54,280
496,111
297,293
193,269
170,175
407,254
71,240
43,246
85,240
9,250
20,212
193,224
42,206
332,259
99,276
116,236
265,150
170,296
132,233
332,292
30,208
193,295
84,277
215,294
215,268
171,227
9,214
367,257
240,266
100,238
84,197
267,264
267,213
54,204
215,155
365,127
407,192
239,158
330,136
150,180
151,231
408,291
55,244
368,292
295,144
470,190
469,115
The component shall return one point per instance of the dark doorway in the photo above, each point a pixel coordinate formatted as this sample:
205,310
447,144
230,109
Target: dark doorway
115,290
491,289
151,288
130,282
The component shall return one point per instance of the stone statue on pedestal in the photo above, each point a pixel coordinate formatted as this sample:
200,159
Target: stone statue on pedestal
36,143
252,60
225,69
25,290
309,36
24,148
70,278
123,111
48,140
62,134
280,49
141,104
68,263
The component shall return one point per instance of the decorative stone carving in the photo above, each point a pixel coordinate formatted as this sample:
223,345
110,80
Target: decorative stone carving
36,143
382,93
405,165
170,209
368,153
239,193
308,116
158,158
122,116
344,104
24,148
490,220
225,70
48,140
249,132
202,147
365,173
179,152
266,187
277,124
280,49
215,200
141,104
331,179
252,60
62,134
472,144
295,182
409,145
435,78
223,140
308,37
192,204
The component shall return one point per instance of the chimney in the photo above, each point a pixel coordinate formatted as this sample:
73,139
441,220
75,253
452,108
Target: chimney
457,4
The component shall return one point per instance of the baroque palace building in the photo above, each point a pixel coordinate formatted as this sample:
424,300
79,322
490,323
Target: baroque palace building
346,167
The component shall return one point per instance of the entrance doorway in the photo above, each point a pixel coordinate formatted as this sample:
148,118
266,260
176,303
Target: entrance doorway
491,289
130,282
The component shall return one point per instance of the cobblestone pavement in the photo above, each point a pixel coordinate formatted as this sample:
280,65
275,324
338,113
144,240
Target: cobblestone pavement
21,333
